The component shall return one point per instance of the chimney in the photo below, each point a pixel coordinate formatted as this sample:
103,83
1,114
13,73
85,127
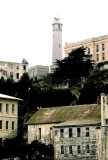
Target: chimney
98,100
103,109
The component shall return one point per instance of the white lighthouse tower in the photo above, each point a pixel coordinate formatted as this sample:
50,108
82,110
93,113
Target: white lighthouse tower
57,52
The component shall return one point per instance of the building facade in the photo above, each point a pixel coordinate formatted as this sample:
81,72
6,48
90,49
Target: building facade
37,72
8,116
72,130
96,47
13,70
76,140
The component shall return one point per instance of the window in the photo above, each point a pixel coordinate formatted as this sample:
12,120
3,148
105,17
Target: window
7,125
79,149
88,50
13,108
61,133
13,123
17,67
70,149
17,75
7,108
103,56
70,132
87,132
62,149
78,132
103,47
39,133
97,48
97,57
87,149
0,124
0,107
11,74
11,66
24,67
0,141
106,121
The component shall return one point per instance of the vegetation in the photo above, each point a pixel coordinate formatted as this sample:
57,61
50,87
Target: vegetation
15,148
85,85
73,67
96,84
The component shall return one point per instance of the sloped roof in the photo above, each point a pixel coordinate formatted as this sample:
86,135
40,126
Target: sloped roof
90,112
78,123
3,96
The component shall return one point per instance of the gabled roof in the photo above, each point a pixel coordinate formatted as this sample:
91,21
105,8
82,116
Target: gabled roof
3,96
90,112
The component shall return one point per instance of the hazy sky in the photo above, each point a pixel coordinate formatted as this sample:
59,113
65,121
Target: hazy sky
26,26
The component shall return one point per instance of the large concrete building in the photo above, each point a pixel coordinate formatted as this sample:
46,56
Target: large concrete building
8,116
96,47
13,70
76,132
37,72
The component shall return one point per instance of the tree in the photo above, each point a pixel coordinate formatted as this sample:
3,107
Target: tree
73,67
16,148
96,84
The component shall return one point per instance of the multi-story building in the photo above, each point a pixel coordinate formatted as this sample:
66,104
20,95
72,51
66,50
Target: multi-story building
13,70
76,132
8,116
96,47
37,72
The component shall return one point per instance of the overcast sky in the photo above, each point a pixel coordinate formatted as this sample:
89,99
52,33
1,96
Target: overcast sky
26,26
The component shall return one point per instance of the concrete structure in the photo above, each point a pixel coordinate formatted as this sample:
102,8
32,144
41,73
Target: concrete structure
57,40
37,72
8,116
71,129
96,47
76,132
13,70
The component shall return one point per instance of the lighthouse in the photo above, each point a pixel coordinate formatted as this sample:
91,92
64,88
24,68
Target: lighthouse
57,53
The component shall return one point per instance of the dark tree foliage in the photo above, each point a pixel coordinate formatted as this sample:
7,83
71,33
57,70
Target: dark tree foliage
7,86
15,148
50,98
96,84
73,67
23,85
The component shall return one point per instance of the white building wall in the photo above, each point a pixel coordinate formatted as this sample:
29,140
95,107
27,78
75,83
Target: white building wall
46,133
13,68
9,116
90,43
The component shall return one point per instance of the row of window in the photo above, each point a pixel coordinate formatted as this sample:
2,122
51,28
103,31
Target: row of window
102,47
103,57
17,75
97,48
17,66
69,149
70,132
7,125
7,108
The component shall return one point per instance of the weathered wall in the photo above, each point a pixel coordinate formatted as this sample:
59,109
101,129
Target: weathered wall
74,141
8,116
